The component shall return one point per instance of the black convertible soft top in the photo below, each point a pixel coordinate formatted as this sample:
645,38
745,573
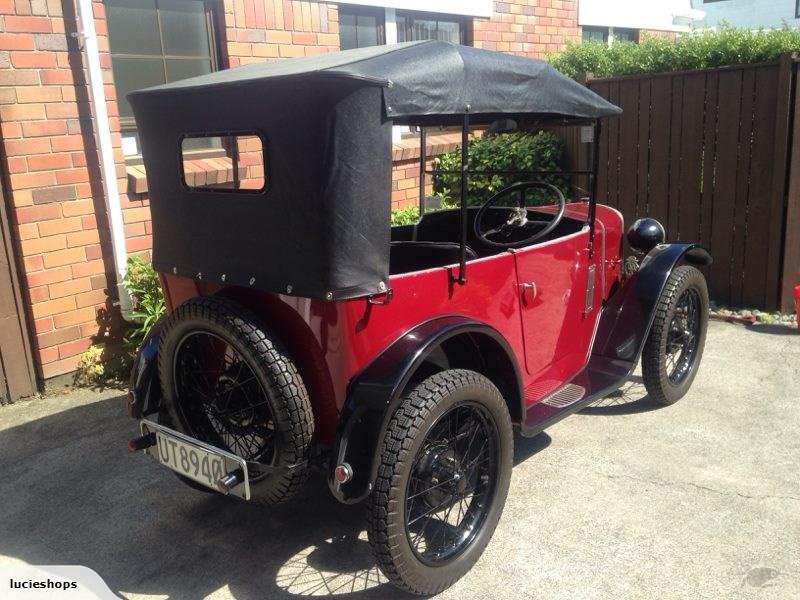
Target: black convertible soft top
320,229
429,78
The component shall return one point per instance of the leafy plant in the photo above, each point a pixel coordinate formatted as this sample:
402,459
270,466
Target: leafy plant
699,50
143,285
405,216
517,151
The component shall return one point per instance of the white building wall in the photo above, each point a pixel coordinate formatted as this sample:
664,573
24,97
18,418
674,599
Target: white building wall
658,15
748,14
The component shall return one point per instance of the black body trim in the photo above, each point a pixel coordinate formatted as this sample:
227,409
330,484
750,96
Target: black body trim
144,397
377,391
628,315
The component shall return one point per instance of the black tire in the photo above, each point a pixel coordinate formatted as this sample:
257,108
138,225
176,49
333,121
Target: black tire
676,336
281,407
403,448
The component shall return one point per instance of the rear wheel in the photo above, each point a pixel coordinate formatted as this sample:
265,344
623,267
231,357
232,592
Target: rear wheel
442,481
675,344
228,382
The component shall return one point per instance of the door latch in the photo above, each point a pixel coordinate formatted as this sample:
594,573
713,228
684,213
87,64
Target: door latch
529,287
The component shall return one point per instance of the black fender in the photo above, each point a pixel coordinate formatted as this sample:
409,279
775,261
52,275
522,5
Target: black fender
628,314
376,392
144,389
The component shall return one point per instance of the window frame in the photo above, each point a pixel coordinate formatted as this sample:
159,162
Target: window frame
364,11
212,23
408,17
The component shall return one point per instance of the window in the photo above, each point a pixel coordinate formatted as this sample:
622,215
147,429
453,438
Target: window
618,34
361,27
595,34
412,27
242,170
154,42
797,10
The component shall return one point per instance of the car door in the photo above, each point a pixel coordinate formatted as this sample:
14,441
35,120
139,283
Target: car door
553,278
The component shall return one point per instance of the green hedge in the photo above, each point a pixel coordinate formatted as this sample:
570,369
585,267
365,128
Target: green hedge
518,151
728,46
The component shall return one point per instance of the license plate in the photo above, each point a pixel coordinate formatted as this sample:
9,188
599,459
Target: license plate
194,459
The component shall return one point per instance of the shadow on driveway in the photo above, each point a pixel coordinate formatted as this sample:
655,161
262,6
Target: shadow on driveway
73,494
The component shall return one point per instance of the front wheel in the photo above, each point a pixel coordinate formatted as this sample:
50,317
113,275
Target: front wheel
444,472
675,344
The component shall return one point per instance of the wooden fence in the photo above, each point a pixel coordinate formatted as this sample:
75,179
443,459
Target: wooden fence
715,156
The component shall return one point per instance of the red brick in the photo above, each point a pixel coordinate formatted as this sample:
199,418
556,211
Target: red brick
32,180
59,336
28,24
33,60
67,143
27,147
58,226
53,307
38,295
83,238
72,175
84,269
22,112
93,298
78,208
43,128
64,110
16,41
31,94
49,276
56,77
76,317
71,256
48,355
77,347
49,162
60,367
41,245
70,287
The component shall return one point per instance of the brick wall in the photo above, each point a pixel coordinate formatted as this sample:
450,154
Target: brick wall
533,28
259,29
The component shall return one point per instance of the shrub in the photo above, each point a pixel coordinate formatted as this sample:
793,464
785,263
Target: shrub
700,50
143,285
517,151
405,216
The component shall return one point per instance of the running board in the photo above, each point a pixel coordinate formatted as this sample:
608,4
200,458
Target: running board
600,377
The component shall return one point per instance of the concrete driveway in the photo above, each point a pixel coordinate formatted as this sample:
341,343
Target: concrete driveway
624,500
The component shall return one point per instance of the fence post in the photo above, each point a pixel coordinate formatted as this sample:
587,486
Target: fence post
790,267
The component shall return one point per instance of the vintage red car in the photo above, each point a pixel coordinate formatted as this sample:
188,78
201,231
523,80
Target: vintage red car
303,330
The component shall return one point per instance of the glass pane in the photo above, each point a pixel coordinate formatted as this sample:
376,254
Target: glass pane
423,30
401,29
134,74
449,32
183,68
132,27
366,31
347,31
184,26
241,169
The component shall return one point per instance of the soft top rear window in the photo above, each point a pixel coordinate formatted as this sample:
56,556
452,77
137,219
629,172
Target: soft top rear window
224,162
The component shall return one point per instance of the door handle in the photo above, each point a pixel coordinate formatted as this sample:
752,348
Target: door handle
529,287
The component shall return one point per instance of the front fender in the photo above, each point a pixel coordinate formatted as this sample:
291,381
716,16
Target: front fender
144,390
628,315
377,391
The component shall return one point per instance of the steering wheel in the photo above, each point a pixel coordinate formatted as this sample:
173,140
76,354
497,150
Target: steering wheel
505,235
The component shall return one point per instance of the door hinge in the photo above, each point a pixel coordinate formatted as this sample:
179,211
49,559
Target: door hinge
589,302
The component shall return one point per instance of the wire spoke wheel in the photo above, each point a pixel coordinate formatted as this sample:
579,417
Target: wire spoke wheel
227,381
221,399
451,483
674,347
684,333
442,482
